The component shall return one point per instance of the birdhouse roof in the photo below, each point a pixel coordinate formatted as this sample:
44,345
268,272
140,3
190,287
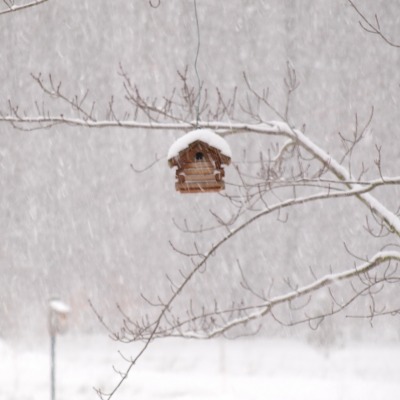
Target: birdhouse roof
59,306
203,135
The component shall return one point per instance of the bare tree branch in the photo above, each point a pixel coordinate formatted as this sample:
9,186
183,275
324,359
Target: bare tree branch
327,280
11,7
372,27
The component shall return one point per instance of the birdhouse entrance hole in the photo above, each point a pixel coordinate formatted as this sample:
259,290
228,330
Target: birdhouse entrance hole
199,156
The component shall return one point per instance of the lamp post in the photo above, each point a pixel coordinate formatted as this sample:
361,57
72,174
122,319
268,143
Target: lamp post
58,312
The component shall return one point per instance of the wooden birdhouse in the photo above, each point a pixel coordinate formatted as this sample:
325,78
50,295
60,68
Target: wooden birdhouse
58,314
199,156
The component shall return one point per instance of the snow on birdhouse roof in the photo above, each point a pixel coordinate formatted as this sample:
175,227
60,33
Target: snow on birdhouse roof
204,135
59,306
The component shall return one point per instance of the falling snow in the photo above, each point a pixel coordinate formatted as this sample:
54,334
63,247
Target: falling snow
91,213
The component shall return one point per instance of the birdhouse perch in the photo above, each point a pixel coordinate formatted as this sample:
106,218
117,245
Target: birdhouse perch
199,156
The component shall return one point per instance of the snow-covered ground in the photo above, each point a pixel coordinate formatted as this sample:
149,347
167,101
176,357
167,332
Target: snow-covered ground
248,369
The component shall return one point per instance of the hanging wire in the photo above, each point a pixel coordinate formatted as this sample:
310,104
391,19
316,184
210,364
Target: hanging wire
195,65
153,5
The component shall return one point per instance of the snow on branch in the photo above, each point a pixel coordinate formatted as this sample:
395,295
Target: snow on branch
45,122
11,7
391,220
276,128
327,280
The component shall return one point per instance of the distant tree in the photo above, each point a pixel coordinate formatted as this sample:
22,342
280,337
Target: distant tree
293,171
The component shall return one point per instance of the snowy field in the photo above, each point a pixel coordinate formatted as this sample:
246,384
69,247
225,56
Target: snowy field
243,369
